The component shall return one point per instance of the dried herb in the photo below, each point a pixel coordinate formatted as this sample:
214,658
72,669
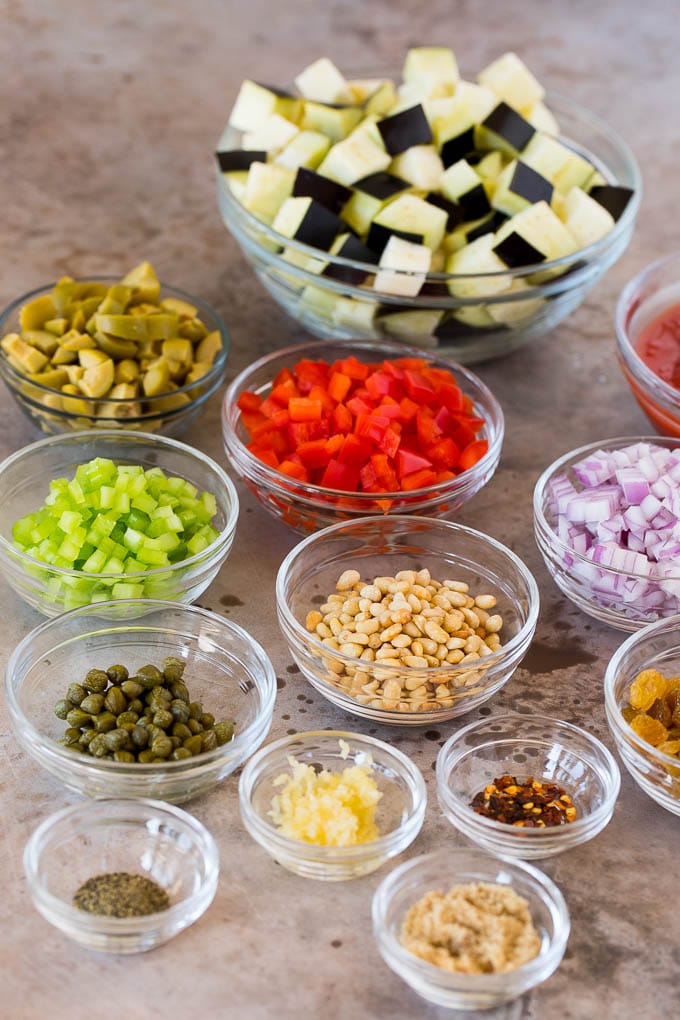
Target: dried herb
121,894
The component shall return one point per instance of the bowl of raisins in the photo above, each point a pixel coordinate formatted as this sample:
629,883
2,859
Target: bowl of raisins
642,700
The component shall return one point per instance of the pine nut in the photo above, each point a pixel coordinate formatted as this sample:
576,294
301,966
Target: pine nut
347,580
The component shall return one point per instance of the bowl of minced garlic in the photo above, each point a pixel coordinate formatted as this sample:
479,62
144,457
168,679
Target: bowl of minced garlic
470,930
332,805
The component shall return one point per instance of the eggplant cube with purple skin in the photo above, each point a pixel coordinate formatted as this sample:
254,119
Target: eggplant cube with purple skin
403,267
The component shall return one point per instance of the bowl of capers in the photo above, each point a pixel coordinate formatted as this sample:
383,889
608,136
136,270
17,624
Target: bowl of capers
140,699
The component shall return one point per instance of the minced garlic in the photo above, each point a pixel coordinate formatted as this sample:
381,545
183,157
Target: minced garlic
327,808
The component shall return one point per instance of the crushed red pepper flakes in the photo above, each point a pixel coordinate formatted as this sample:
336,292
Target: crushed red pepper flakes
526,805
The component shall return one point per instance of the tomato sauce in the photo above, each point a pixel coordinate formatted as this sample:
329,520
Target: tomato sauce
659,345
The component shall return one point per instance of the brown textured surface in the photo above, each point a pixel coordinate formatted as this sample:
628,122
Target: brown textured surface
108,116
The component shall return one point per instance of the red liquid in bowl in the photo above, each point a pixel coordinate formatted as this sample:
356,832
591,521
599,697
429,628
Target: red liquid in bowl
659,345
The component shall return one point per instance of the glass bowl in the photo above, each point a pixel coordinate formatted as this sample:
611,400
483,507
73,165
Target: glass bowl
646,296
656,646
24,484
144,837
440,871
470,329
225,669
619,598
399,814
308,507
548,750
378,547
168,413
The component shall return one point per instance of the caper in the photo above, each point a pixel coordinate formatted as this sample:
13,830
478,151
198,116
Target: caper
180,710
86,738
158,697
93,704
154,732
98,747
181,730
115,700
179,753
127,717
127,726
163,718
193,744
208,741
175,741
136,705
62,708
116,740
123,756
180,691
96,681
173,668
72,733
71,745
208,720
131,688
76,693
149,676
104,722
195,710
117,674
162,747
145,756
224,731
78,719
139,736
194,725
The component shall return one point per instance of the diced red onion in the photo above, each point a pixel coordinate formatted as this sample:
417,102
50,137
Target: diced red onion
618,514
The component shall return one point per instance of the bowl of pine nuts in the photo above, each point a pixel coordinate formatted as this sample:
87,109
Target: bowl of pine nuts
406,620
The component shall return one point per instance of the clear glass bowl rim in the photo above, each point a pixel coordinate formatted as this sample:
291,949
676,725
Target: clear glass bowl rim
446,763
8,550
240,740
211,378
492,411
588,254
394,521
410,826
118,925
529,973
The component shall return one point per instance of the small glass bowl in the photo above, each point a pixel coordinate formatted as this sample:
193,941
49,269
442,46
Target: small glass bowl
548,750
646,296
399,814
382,546
24,484
328,302
225,669
145,837
168,413
656,646
622,600
309,507
441,870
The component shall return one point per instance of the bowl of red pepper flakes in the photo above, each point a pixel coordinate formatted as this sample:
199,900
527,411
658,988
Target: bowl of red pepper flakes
323,432
526,786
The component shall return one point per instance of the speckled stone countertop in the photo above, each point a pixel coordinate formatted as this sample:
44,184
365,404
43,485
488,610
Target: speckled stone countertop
108,116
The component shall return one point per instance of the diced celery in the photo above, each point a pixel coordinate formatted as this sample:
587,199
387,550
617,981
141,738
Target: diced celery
127,590
95,563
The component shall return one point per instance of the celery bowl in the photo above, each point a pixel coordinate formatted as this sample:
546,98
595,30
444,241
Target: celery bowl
65,558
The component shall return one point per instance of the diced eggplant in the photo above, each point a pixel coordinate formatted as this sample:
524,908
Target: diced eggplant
347,246
411,214
239,159
335,122
353,158
402,130
403,267
514,250
303,219
256,102
323,82
381,185
585,218
519,186
504,129
308,149
611,197
436,63
454,212
273,134
420,165
267,187
510,79
461,184
470,268
415,325
378,236
539,227
322,189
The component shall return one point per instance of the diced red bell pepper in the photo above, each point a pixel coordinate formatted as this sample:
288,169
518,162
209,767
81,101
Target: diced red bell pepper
327,402
314,453
249,401
444,454
419,479
371,426
282,376
390,441
339,386
283,392
409,409
381,385
352,367
426,427
340,476
417,387
267,456
408,462
304,409
358,406
355,451
341,419
294,470
472,453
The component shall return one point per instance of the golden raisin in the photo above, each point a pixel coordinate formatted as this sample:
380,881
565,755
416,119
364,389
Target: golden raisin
649,729
661,711
646,688
670,747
